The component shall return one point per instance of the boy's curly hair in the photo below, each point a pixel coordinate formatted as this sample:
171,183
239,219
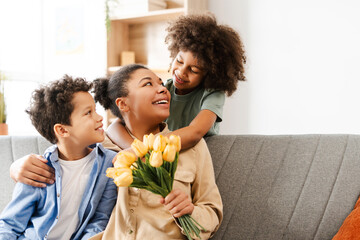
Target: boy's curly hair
52,104
217,47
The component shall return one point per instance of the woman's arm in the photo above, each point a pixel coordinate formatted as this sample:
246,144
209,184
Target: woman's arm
197,129
32,170
119,135
208,207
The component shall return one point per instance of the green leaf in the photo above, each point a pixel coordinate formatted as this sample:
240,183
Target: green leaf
159,174
173,168
163,192
167,179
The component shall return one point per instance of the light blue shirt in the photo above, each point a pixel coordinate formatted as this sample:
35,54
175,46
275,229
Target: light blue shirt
32,212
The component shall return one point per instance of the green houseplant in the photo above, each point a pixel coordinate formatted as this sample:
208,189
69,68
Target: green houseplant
3,125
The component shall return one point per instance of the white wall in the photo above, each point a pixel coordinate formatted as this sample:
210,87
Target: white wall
41,40
303,60
303,66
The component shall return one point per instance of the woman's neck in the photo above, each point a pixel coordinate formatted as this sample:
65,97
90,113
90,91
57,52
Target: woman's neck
139,131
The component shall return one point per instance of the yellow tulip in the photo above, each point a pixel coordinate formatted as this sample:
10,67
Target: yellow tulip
148,140
111,172
169,153
160,143
176,140
156,159
124,179
139,148
124,159
115,172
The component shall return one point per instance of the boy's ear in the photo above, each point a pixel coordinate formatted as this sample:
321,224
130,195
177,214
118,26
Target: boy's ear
61,130
121,104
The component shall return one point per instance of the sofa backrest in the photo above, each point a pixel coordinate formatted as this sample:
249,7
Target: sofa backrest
12,148
285,187
272,187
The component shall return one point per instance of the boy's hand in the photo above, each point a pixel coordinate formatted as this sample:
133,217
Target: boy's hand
32,170
178,203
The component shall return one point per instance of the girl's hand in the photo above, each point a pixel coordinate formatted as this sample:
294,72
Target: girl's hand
32,170
178,203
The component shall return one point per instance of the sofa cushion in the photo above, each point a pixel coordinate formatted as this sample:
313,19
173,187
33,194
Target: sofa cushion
285,187
12,148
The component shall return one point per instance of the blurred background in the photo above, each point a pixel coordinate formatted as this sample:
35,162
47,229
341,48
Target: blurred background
302,70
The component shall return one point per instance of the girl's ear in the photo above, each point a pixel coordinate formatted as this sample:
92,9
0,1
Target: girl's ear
61,130
122,104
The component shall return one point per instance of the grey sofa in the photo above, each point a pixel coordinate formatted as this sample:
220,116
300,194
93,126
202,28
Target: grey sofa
273,187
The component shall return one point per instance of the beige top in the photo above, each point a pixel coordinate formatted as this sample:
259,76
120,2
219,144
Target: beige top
138,213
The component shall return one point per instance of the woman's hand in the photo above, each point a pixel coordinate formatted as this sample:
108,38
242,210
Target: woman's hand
178,203
32,170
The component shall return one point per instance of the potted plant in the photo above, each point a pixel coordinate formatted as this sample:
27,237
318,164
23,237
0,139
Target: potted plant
3,125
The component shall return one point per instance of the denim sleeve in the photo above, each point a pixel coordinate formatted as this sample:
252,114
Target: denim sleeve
16,215
102,214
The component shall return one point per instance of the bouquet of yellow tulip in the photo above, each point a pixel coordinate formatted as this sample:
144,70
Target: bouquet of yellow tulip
155,174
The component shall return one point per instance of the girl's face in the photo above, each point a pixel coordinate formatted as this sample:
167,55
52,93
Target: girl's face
148,100
187,72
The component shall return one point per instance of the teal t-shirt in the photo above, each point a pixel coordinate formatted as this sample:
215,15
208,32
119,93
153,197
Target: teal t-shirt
184,108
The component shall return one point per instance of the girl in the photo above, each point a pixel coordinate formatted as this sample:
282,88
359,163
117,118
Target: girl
139,99
208,61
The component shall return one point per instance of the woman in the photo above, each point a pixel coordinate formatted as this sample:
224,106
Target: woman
139,99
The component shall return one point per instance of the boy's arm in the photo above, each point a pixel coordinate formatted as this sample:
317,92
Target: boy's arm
119,135
15,217
197,129
103,211
32,170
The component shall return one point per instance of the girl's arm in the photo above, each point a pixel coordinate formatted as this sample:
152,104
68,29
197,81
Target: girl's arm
119,135
197,129
32,170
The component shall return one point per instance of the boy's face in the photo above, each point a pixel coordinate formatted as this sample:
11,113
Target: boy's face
187,72
86,124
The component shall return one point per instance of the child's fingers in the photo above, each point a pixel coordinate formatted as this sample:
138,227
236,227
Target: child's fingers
39,157
36,164
28,179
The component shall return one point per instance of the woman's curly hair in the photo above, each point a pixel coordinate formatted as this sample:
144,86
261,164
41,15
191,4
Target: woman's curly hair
218,49
52,104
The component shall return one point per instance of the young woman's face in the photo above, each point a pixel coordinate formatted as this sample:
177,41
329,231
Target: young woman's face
148,99
187,72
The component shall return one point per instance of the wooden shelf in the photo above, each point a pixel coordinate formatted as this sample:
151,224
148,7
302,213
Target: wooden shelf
153,16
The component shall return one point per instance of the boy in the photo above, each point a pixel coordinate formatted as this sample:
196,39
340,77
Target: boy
80,202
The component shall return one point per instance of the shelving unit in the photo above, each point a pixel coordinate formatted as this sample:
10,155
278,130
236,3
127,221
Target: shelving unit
145,34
